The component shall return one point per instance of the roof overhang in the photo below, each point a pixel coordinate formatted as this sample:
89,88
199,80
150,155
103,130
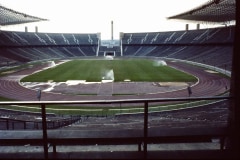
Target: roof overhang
214,11
11,17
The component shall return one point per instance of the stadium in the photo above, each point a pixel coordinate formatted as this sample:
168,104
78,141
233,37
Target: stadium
145,95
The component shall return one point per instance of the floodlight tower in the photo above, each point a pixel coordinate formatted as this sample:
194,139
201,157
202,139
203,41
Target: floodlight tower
111,30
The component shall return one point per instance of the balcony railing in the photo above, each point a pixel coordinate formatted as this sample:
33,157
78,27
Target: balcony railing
141,138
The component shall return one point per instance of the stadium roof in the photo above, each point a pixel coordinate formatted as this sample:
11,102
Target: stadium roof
11,17
215,11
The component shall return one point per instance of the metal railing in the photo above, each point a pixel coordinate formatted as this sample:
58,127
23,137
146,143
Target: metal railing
10,123
145,103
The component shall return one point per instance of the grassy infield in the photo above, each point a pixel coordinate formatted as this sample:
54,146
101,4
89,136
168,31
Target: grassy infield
94,70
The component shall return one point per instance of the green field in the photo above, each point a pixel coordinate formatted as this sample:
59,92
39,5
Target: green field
138,70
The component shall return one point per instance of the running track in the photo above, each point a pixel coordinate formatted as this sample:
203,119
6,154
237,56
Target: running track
209,84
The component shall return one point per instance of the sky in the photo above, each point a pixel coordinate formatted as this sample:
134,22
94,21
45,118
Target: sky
95,16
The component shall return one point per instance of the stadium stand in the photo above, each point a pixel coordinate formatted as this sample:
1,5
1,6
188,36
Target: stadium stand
194,45
23,47
29,46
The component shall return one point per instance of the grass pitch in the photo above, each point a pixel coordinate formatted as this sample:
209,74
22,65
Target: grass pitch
138,70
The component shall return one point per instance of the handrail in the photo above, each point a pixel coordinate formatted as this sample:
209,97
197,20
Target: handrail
144,101
149,100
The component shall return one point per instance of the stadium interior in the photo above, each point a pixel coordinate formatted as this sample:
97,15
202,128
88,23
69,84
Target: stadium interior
194,121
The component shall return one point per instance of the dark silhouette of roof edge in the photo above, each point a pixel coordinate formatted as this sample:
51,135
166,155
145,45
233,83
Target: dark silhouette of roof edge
15,17
213,11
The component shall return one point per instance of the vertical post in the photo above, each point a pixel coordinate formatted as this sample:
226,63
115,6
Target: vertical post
145,129
7,125
121,34
187,27
120,108
234,110
198,26
111,30
44,129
